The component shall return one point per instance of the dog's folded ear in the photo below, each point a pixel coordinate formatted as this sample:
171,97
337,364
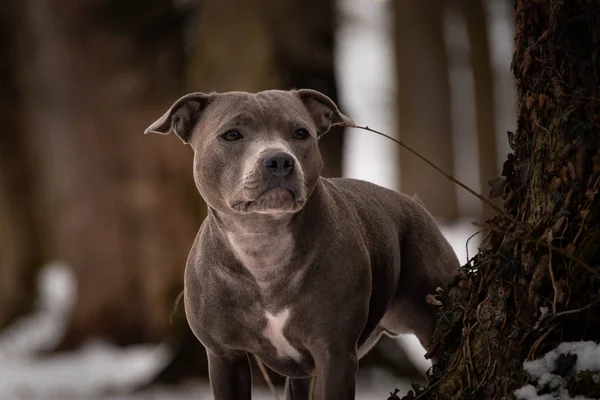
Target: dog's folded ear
322,109
181,117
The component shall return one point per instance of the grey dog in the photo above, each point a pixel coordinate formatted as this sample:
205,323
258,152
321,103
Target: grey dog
304,272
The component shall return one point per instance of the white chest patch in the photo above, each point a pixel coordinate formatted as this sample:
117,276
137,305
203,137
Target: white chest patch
274,332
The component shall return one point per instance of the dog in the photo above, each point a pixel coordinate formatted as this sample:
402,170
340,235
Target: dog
302,271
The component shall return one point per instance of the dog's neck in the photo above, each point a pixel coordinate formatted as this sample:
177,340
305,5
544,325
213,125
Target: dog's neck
264,244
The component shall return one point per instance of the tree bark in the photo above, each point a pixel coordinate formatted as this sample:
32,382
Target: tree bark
425,120
546,251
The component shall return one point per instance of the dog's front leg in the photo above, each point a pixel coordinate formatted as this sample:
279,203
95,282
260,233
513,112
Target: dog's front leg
297,388
230,376
336,375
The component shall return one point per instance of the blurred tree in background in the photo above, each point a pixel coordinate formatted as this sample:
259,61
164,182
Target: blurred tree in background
423,101
424,106
21,247
91,86
476,22
85,80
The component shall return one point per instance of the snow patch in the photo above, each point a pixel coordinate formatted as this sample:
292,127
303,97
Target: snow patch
94,368
542,370
43,329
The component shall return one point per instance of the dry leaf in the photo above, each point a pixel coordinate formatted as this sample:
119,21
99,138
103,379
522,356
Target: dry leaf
464,283
556,182
432,300
497,187
584,213
544,100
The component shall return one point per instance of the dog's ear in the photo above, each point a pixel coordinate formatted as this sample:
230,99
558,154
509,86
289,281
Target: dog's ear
181,117
322,109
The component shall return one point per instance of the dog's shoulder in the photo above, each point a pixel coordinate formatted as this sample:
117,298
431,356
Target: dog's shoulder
379,206
364,193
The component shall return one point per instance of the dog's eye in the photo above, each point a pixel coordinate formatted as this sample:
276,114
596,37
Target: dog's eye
232,136
301,134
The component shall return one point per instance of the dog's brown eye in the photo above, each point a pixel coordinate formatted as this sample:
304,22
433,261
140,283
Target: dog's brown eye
232,136
301,134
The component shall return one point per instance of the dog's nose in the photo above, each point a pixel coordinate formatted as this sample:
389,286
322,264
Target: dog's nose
279,164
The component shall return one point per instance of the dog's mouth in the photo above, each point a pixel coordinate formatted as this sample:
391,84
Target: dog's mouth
277,195
276,199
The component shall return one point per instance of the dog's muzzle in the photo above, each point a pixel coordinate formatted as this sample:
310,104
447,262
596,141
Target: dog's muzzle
279,163
281,186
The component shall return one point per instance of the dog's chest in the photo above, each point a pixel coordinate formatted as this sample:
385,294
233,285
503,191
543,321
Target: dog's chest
267,258
265,331
269,262
274,332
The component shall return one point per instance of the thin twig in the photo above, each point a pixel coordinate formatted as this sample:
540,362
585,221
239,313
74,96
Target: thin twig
447,175
479,196
539,340
551,271
577,97
311,386
175,306
577,310
469,239
429,388
266,376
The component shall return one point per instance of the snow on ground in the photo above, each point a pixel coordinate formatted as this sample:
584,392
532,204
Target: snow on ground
541,371
94,368
41,331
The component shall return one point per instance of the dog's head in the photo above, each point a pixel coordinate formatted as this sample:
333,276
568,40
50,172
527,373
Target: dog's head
253,153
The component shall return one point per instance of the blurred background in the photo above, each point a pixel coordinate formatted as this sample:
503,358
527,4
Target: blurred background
96,219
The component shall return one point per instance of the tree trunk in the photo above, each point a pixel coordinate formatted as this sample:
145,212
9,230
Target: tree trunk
485,120
424,104
21,251
121,205
546,253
